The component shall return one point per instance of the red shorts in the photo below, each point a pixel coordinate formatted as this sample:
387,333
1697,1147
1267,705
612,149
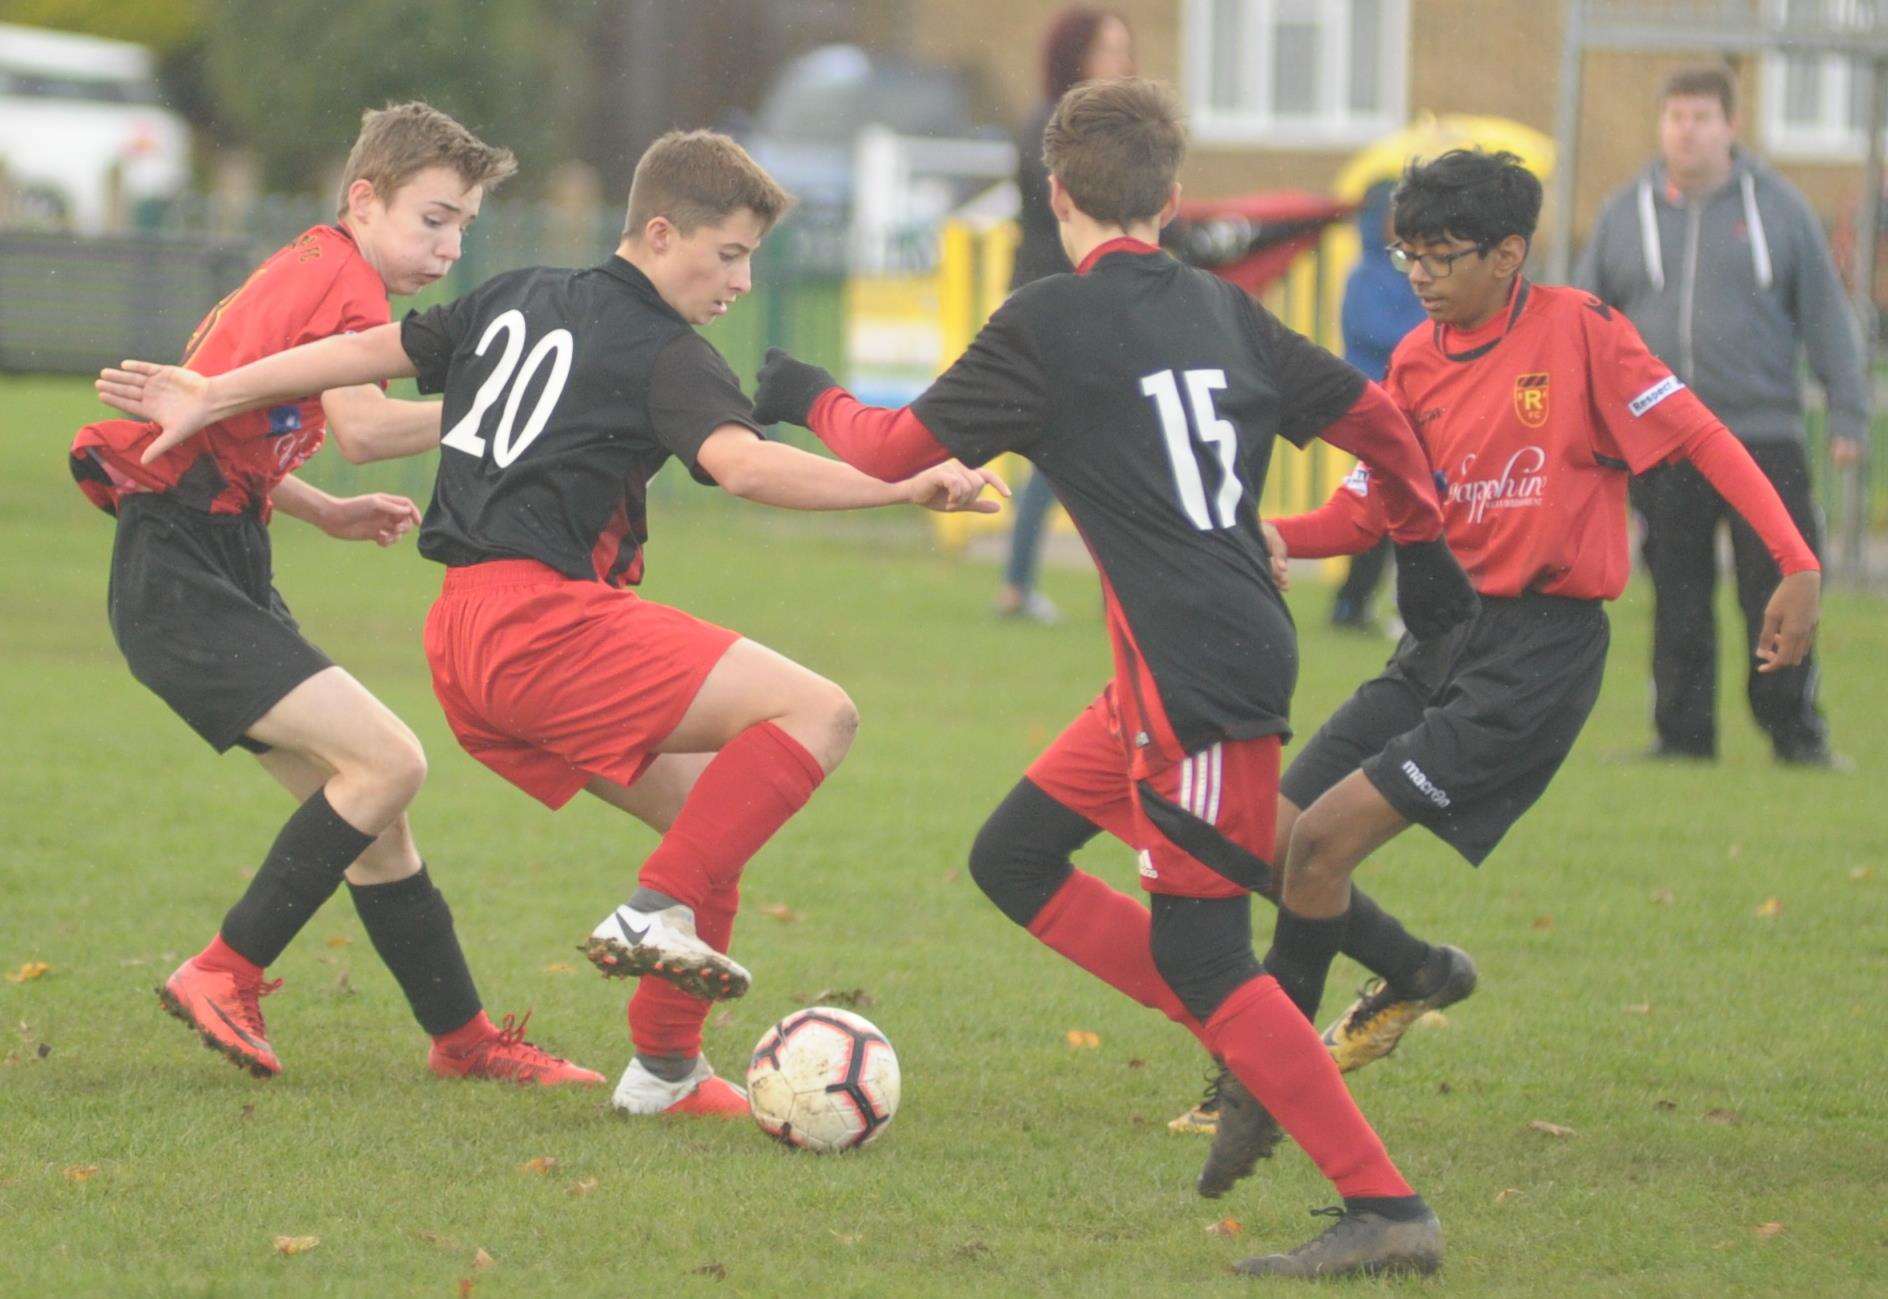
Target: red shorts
1231,786
551,681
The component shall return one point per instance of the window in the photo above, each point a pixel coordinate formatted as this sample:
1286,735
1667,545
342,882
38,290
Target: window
1296,73
1815,105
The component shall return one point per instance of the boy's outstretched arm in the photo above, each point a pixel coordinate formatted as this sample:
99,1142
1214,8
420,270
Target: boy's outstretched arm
375,516
367,425
771,473
887,444
185,402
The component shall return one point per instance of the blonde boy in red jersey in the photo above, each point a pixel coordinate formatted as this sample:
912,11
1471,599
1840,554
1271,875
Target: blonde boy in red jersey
1535,403
194,609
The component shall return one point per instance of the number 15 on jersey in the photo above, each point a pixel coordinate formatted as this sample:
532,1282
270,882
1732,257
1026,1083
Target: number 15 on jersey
1189,480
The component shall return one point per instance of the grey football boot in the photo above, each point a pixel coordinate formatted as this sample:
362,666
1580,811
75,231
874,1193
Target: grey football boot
1358,1244
1247,1133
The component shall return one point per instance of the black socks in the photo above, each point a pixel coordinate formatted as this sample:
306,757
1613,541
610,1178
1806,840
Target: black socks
1301,955
1378,942
411,927
302,871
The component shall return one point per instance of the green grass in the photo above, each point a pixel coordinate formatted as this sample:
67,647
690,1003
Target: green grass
1018,1165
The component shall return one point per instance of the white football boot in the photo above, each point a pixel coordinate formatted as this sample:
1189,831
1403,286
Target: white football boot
663,943
702,1094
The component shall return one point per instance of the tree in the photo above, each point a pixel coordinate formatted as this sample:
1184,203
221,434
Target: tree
290,79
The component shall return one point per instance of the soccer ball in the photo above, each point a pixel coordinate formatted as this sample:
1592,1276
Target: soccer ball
823,1079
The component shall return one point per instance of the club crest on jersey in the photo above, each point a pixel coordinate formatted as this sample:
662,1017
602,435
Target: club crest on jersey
1530,399
284,420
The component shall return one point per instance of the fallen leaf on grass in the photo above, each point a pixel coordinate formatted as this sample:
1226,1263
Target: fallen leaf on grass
1543,922
855,998
1769,909
1225,1227
81,1172
293,1245
1434,1019
719,1271
1663,897
1080,1039
1547,1129
539,1164
558,967
1511,1193
481,1260
342,986
1443,1088
340,940
844,1238
28,972
1860,873
1638,1008
952,875
1765,1230
583,1186
466,1286
249,1110
1723,1118
436,1239
1665,1106
1137,1064
43,1050
785,914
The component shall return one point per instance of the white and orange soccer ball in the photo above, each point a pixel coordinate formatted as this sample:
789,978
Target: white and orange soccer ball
823,1079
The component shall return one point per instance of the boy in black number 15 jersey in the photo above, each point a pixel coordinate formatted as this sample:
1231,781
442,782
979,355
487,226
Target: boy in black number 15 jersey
565,390
1150,394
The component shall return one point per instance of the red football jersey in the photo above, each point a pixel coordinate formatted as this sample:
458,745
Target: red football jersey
1534,422
317,286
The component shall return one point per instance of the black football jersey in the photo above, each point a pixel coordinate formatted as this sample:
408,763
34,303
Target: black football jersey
1150,394
565,391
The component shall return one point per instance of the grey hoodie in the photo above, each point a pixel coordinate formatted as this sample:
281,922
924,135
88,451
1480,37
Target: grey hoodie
1725,289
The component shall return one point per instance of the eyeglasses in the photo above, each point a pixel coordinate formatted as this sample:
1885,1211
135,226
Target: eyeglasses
1436,266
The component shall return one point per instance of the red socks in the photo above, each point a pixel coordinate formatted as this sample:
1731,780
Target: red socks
1268,1042
760,779
219,955
664,1020
467,1035
1106,933
753,786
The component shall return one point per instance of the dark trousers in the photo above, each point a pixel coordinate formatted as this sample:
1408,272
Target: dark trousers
1682,512
1352,603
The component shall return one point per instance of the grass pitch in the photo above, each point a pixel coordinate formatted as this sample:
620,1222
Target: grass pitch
1683,965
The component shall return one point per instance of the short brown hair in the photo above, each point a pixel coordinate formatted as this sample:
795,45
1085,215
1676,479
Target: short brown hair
1709,82
698,178
1116,146
399,141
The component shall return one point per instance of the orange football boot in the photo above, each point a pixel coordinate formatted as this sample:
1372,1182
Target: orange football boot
507,1057
225,1011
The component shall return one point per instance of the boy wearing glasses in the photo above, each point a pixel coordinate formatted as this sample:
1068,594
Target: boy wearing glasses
1535,403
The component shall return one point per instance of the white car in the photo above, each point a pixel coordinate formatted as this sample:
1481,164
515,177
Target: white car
83,139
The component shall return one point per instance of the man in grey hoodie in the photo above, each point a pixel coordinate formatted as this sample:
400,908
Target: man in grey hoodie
1722,266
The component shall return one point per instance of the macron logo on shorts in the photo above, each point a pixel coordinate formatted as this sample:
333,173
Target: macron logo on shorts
1147,866
1652,396
1416,777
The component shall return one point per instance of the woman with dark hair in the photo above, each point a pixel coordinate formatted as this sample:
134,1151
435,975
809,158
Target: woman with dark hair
1083,43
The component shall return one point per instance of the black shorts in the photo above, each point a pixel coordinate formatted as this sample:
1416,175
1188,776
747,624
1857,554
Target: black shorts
1462,735
196,614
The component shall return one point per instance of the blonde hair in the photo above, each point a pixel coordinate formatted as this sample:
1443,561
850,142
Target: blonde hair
399,141
698,178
